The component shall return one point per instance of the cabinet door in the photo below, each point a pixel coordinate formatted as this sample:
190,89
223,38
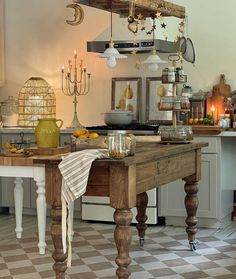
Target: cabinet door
171,196
65,139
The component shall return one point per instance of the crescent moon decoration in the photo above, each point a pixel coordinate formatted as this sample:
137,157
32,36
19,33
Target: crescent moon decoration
78,15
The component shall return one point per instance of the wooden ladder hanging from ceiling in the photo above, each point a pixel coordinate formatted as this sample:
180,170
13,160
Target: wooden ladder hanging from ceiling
145,7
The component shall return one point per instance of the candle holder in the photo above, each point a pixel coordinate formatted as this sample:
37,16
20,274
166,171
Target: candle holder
75,86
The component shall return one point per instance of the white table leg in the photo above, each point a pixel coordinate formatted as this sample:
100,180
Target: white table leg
18,197
39,177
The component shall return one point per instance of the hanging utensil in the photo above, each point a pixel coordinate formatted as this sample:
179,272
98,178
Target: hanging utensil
186,47
189,54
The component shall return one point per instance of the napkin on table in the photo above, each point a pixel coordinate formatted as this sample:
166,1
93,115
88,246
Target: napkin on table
75,169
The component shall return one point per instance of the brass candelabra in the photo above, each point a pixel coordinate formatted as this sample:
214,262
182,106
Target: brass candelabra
76,85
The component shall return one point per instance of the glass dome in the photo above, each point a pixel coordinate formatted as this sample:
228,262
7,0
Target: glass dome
36,100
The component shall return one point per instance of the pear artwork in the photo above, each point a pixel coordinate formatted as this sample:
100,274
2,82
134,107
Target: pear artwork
128,93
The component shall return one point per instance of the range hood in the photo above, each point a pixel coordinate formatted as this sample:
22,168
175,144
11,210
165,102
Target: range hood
141,46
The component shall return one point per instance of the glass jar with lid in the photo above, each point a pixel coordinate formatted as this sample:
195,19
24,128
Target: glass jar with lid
184,102
120,144
166,103
176,103
9,112
164,132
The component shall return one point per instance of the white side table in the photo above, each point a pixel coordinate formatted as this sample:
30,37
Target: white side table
38,174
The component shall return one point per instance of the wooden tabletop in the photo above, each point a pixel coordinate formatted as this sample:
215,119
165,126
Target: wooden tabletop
145,151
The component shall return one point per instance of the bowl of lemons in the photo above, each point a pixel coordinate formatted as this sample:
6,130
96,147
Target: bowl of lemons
83,139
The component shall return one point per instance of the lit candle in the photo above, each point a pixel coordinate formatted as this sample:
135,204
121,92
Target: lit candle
212,111
62,69
75,54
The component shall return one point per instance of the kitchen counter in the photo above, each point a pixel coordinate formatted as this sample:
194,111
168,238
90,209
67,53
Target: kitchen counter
14,130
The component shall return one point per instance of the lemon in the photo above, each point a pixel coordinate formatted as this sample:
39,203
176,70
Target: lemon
93,135
7,145
190,121
84,136
13,150
80,132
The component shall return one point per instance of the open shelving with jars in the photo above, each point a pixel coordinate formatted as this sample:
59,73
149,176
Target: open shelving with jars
174,103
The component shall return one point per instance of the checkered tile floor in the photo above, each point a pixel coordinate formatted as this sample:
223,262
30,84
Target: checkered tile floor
165,255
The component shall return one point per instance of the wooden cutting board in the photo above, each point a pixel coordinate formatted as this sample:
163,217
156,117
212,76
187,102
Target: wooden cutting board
49,151
222,88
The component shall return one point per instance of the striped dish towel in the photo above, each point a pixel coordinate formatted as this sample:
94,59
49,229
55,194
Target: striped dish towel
75,169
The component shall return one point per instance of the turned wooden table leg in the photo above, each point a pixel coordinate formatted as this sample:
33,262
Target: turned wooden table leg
59,257
123,237
191,205
53,198
141,205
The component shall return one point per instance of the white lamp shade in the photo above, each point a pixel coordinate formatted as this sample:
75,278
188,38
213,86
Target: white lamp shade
111,51
153,60
111,54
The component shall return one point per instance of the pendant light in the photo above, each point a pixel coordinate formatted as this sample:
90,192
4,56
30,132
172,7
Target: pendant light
111,53
153,59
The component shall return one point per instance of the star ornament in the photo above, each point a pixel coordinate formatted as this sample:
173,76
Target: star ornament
140,16
158,14
163,25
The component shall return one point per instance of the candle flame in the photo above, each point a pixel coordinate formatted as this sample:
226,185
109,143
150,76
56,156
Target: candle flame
212,108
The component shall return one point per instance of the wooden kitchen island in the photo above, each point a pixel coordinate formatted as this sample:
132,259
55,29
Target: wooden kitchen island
126,182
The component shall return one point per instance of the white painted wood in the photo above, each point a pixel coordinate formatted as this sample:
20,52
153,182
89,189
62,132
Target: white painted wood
18,196
2,54
38,174
39,177
171,198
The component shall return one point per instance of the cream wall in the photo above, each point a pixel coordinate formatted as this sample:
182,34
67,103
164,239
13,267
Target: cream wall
38,42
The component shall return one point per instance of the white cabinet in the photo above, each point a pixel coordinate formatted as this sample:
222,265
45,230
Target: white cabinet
215,187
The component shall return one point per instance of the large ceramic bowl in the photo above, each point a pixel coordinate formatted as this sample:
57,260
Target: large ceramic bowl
118,117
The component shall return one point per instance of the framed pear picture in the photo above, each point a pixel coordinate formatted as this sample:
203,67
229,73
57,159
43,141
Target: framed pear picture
154,91
126,95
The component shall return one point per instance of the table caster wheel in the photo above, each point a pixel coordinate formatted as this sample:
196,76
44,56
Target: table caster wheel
192,244
141,242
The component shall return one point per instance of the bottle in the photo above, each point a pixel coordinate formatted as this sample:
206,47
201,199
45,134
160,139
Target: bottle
230,111
234,121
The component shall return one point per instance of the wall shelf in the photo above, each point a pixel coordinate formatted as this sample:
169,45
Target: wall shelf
147,8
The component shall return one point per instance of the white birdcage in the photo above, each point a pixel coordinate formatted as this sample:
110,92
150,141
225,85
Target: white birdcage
36,100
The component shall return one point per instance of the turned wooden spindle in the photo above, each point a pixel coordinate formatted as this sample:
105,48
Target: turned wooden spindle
123,237
59,257
141,205
53,197
191,205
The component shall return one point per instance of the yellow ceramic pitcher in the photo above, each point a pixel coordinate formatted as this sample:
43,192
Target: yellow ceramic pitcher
47,132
